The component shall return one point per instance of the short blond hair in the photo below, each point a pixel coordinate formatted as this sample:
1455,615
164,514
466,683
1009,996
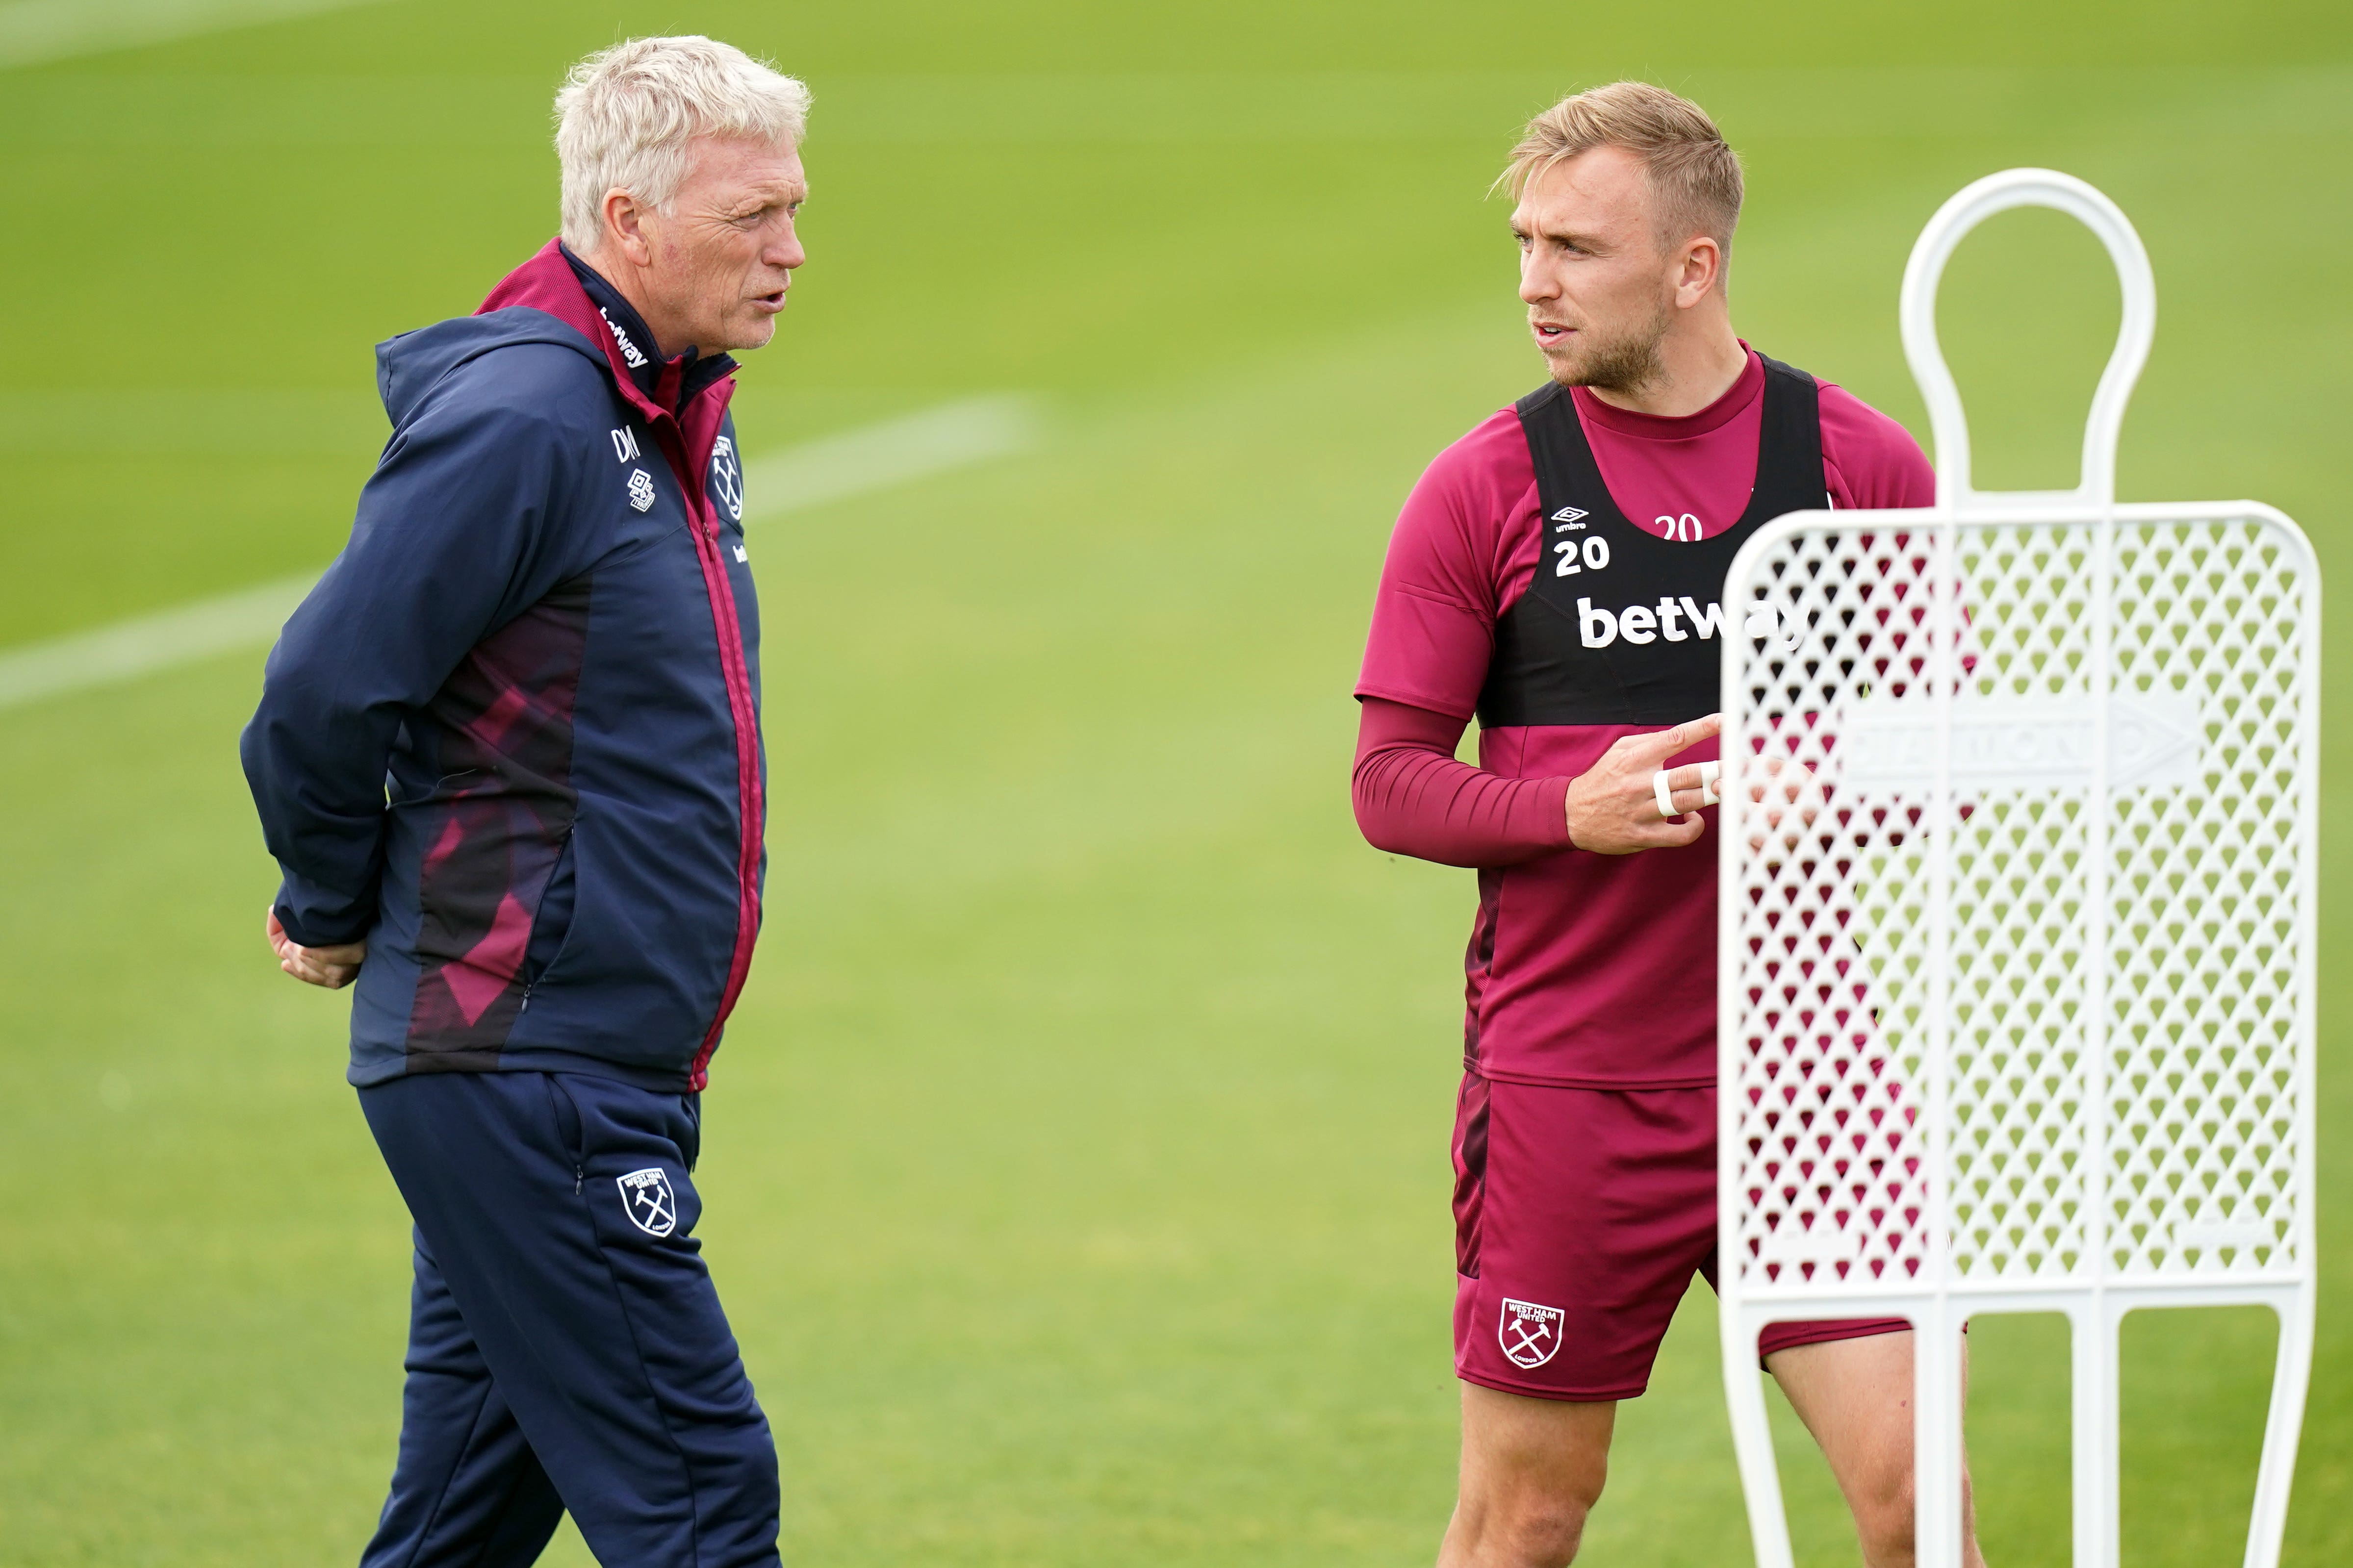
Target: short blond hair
1696,176
626,115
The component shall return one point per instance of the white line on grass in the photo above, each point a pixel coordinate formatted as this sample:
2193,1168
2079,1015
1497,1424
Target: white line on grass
128,649
32,31
890,452
829,469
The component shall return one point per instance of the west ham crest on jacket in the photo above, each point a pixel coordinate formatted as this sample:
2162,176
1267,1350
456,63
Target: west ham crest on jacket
1530,1334
646,1198
727,477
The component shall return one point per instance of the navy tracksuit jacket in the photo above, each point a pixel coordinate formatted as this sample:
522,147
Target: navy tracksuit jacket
511,737
512,741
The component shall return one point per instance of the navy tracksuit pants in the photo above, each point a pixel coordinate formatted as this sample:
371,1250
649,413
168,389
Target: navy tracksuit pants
566,1348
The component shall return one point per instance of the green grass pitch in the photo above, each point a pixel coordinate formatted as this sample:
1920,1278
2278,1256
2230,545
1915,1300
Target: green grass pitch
1076,1161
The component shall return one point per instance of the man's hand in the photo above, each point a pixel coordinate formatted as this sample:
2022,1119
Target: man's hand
333,967
1613,808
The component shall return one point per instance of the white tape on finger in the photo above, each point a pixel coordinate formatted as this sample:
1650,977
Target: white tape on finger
1663,792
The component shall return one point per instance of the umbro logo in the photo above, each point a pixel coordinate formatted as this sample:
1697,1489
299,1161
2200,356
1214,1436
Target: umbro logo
1567,518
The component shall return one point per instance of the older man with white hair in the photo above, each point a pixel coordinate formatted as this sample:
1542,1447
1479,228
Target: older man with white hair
508,758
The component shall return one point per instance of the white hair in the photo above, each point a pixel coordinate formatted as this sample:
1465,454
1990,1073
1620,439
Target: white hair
626,115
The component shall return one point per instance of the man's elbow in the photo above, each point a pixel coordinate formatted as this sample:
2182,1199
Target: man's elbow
1389,835
1367,796
1381,832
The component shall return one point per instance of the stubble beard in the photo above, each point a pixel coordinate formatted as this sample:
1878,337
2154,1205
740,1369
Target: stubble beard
758,333
1625,363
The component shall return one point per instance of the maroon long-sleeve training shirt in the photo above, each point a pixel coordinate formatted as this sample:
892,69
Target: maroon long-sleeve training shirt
1587,970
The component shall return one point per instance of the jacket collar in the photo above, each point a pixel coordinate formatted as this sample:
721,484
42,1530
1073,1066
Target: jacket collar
557,283
630,334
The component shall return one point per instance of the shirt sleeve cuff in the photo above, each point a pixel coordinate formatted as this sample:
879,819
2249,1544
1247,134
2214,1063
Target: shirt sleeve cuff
1548,805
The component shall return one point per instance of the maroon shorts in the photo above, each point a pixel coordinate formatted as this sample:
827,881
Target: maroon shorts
1581,1216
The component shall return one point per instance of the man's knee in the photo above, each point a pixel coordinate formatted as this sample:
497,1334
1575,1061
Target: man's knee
1884,1515
1882,1521
1526,1525
1532,1470
1544,1531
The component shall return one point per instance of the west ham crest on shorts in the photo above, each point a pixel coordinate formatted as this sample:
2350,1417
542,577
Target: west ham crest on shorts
727,477
647,1199
1529,1335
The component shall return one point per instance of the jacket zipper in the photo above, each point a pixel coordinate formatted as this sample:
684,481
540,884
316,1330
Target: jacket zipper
703,527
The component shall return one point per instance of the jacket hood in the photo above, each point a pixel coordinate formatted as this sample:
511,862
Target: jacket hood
540,301
412,365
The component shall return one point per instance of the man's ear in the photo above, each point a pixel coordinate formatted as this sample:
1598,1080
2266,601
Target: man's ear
1702,270
625,227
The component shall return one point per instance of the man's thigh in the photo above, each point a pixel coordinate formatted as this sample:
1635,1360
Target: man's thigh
1581,1215
560,1211
1555,1445
1855,1396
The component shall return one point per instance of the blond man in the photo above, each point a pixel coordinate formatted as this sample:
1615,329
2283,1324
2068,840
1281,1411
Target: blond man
1559,573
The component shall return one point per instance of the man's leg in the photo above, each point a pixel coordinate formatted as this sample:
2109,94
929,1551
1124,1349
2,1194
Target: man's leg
1532,1470
1580,1217
1855,1396
467,1491
559,1211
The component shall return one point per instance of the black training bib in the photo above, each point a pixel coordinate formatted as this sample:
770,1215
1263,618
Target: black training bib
1622,626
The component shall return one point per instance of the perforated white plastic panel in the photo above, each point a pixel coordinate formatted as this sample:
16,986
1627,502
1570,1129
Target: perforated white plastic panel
2017,851
1945,887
